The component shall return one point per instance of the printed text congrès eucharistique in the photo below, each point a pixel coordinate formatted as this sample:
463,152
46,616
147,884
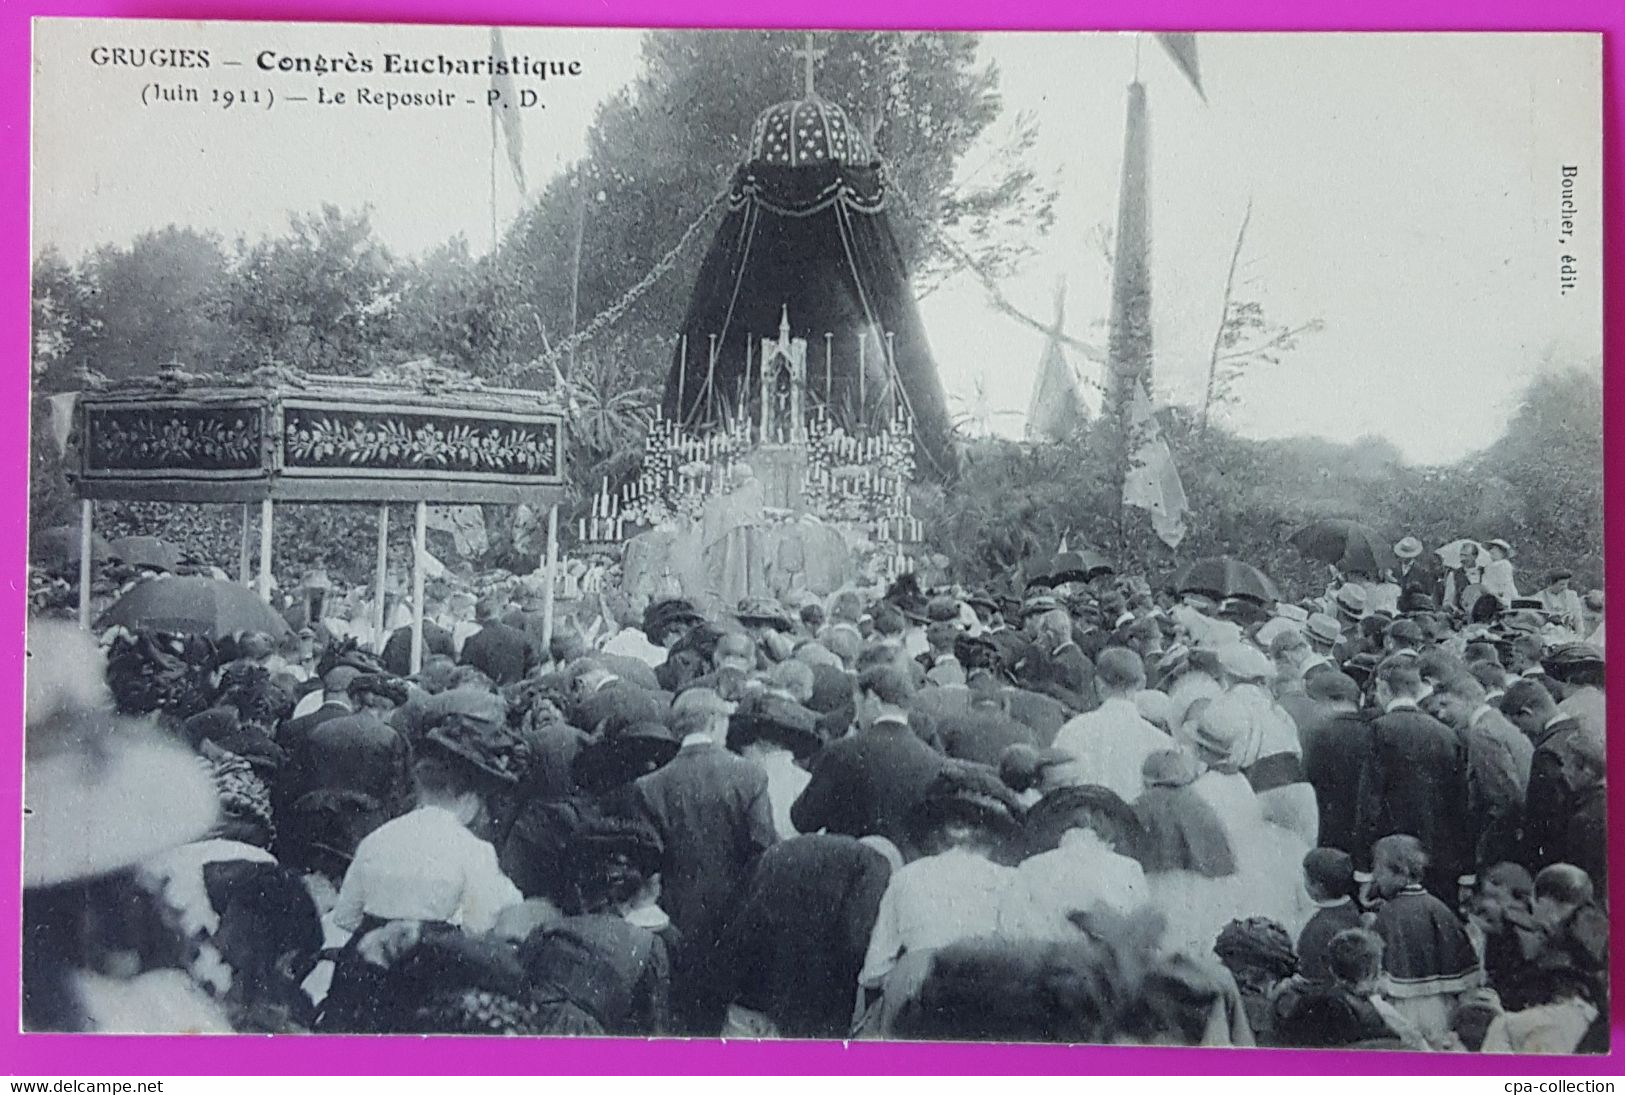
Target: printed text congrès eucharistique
391,64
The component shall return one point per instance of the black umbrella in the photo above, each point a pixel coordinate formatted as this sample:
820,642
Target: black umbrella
1348,545
194,606
1220,576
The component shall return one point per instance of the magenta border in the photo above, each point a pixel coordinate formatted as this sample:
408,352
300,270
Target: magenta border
82,1056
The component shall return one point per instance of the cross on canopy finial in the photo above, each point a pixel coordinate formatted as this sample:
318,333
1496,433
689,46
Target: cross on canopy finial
809,56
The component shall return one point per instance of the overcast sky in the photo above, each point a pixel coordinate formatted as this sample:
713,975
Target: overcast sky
1405,192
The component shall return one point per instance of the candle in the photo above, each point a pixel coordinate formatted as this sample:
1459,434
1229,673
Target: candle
581,528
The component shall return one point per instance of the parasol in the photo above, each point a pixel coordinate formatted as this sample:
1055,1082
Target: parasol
1220,576
194,606
146,551
1348,545
1450,554
1078,566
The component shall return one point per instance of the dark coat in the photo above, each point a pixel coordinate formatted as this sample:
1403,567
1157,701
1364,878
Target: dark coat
866,783
1014,647
397,655
711,810
503,653
1415,781
1045,715
793,949
1548,806
832,689
1314,942
531,624
982,734
629,669
294,733
1498,759
359,752
1336,749
620,704
1066,674
1585,842
1418,579
617,973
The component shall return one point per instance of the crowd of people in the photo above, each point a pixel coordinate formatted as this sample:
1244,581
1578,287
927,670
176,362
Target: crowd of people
1088,812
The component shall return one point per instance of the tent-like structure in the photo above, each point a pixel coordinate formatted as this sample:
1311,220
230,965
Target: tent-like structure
806,235
1057,407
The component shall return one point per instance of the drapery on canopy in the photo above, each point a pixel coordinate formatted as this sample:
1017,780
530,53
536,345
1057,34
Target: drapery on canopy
806,233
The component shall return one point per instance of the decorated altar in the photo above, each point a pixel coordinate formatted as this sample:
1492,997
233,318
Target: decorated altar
777,499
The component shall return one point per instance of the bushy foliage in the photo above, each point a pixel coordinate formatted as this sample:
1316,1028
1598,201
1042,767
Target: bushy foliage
1538,486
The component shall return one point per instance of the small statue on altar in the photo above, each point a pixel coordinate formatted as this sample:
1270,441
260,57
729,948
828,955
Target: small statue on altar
783,427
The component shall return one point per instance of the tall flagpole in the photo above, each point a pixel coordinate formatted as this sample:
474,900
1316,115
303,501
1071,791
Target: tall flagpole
493,178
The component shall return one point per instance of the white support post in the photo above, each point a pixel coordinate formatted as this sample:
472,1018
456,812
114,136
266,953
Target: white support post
420,532
552,572
265,550
86,538
380,578
243,572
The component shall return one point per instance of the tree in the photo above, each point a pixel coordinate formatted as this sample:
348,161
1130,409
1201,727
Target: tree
63,321
322,298
131,311
1551,456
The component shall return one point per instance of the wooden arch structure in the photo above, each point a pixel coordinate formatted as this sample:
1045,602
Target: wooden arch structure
283,436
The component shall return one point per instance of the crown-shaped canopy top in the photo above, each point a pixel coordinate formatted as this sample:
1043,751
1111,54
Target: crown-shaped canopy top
802,132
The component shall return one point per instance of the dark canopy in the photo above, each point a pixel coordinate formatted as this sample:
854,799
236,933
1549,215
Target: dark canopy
812,240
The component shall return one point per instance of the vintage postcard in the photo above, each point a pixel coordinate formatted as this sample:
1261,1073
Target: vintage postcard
1019,537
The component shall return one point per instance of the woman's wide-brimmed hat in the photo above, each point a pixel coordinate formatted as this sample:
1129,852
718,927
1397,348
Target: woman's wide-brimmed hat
489,749
606,840
382,685
1071,807
763,612
774,718
663,615
622,755
99,792
1574,663
964,794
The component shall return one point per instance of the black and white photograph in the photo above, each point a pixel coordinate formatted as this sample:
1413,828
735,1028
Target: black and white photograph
1088,537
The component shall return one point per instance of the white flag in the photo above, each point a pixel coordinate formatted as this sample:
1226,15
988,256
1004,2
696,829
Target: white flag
1152,482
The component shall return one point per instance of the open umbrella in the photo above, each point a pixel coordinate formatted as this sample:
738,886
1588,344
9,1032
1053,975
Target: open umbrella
146,551
194,606
1348,545
1078,566
58,548
1220,576
1450,554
